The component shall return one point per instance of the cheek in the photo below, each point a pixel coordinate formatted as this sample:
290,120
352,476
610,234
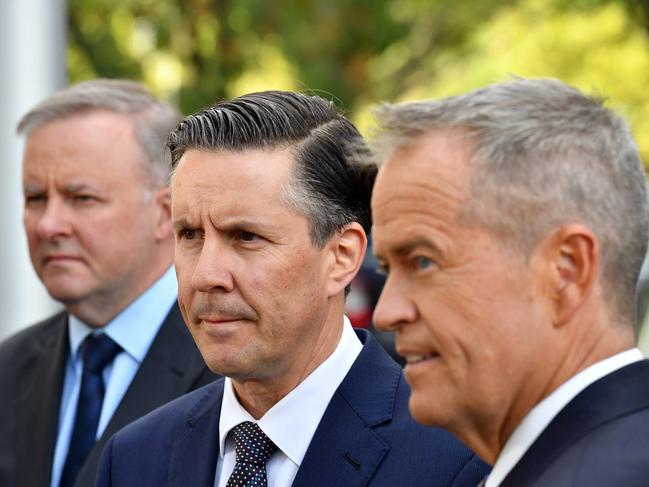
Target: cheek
183,270
287,287
452,316
124,234
185,293
30,223
287,273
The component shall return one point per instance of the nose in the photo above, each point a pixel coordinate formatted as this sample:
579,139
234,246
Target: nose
213,270
395,308
54,221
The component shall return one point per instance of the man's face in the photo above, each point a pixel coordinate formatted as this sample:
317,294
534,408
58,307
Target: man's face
252,286
468,312
90,226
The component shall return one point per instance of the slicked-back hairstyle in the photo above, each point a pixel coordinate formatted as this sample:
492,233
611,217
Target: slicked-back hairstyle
544,154
152,119
325,184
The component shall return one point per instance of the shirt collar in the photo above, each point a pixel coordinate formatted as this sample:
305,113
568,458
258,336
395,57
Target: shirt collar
135,327
291,423
540,416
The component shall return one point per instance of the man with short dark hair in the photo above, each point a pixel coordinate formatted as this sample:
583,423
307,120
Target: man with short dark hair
270,217
97,219
512,223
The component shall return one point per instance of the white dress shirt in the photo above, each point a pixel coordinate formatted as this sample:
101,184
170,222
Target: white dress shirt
133,329
544,412
291,423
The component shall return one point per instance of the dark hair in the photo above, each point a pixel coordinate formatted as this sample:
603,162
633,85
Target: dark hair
327,185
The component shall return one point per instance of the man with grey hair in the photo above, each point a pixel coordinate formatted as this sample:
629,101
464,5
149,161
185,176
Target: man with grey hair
512,224
97,219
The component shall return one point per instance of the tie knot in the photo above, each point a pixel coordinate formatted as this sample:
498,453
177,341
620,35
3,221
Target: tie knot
98,351
252,444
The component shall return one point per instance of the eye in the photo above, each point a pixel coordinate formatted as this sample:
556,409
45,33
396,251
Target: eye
187,234
34,198
247,236
84,197
423,262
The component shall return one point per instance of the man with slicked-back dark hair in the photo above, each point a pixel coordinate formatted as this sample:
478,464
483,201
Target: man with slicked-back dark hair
270,216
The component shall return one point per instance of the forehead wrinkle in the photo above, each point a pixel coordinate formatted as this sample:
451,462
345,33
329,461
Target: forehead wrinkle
435,210
74,186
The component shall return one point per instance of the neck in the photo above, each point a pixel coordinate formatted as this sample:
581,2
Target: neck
590,343
258,396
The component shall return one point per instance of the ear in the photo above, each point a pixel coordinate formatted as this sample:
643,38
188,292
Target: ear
348,248
162,199
573,252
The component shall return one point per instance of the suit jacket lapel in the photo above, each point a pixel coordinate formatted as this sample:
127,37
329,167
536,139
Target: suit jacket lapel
37,414
195,452
617,394
345,450
169,369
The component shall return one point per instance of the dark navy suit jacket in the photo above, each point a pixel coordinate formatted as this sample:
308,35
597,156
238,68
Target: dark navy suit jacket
365,438
601,438
32,368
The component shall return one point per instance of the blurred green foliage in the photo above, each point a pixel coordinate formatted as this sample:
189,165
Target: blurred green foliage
360,52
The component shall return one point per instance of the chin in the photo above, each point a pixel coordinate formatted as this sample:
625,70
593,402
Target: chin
423,412
64,294
218,363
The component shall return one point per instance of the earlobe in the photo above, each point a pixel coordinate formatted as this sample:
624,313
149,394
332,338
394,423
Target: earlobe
163,203
576,265
348,249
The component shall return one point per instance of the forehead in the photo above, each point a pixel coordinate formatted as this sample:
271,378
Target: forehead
246,181
248,170
94,144
422,184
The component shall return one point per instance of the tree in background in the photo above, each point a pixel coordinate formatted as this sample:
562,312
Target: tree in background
360,52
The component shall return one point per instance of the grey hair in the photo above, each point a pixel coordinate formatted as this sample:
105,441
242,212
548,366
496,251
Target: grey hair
152,119
544,155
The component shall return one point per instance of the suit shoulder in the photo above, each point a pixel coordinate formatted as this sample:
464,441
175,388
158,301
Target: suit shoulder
614,453
162,422
28,337
611,453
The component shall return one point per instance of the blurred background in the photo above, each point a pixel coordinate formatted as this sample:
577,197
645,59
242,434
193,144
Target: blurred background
355,52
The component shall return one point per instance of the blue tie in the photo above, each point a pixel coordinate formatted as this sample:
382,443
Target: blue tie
97,352
253,449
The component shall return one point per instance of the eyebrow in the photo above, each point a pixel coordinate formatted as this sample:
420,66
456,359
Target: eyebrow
227,225
68,188
181,223
405,248
32,188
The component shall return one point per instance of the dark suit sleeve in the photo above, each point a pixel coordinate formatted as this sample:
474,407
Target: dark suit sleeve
103,473
472,473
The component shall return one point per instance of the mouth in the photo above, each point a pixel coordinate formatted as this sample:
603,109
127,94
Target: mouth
220,320
413,358
60,258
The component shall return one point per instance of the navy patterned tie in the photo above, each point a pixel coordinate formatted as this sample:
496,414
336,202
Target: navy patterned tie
253,450
97,352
